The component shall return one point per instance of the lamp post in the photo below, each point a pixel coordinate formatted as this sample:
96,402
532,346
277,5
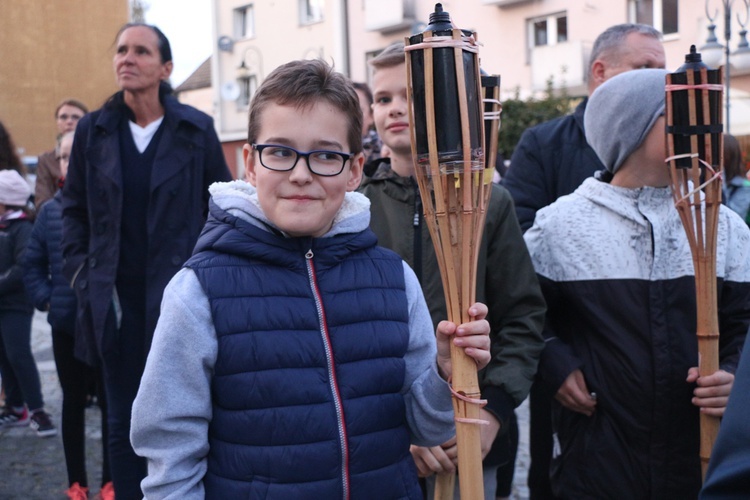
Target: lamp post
712,50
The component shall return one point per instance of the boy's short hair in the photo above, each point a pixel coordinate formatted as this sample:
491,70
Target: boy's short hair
302,84
393,55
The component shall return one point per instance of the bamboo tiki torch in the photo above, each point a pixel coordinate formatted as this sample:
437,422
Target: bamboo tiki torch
694,97
447,136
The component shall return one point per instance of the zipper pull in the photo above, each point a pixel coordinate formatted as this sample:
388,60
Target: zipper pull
309,254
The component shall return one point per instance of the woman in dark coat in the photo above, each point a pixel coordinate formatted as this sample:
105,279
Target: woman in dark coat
134,203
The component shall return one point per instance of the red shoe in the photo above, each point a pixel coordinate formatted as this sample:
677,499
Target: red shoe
107,492
11,418
77,492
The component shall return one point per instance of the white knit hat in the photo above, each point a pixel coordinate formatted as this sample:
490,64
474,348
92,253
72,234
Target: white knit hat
621,112
14,190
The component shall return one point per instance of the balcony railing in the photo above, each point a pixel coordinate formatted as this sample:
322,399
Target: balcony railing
388,15
565,63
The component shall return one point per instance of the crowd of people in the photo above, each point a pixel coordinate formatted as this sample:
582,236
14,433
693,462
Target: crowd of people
285,335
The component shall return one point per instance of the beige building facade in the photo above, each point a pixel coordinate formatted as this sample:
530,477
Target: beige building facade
527,42
51,50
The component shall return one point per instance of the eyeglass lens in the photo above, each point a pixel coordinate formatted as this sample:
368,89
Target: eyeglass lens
320,162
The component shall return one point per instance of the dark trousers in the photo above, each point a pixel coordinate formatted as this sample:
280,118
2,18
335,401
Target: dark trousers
122,368
75,379
505,472
540,442
17,365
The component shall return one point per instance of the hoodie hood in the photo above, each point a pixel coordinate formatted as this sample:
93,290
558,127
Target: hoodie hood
240,199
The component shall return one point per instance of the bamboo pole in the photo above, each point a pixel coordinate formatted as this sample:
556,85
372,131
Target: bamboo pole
697,193
454,196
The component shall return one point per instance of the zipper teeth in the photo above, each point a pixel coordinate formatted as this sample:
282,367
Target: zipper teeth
323,328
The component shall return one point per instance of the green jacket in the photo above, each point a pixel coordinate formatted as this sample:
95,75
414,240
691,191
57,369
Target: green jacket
506,281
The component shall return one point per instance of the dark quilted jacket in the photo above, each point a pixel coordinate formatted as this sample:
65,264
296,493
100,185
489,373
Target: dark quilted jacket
46,286
308,372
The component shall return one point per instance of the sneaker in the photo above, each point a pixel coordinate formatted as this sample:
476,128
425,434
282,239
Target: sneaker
77,492
107,492
11,418
42,424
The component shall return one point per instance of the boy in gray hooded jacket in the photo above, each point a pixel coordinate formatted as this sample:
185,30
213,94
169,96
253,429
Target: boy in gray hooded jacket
294,358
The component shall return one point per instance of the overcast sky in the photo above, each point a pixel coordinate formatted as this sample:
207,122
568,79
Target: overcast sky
187,24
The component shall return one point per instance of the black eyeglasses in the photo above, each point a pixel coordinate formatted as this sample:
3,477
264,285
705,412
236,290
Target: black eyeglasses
284,158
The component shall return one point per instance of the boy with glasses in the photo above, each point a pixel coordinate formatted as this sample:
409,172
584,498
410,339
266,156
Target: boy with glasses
293,357
67,115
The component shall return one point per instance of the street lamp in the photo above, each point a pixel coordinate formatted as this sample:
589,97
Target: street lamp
712,51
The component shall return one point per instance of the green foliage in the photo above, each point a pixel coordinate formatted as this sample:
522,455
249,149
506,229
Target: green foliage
518,115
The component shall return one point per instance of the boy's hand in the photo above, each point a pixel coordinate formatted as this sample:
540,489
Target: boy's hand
575,396
472,336
444,458
712,393
436,460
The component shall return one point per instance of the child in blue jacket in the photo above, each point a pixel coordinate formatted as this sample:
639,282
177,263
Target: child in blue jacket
50,292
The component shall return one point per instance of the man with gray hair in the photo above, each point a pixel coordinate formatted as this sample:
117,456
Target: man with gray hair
551,160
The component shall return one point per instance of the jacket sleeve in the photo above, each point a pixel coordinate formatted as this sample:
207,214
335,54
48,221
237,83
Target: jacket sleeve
558,360
172,410
45,186
75,234
429,410
734,292
516,313
728,474
526,179
12,279
37,277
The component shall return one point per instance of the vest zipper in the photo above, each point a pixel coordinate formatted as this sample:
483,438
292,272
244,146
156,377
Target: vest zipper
332,381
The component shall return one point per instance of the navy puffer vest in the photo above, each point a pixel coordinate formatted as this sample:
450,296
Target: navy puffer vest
306,387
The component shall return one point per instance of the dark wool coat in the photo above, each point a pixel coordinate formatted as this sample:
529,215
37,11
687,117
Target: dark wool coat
188,159
551,160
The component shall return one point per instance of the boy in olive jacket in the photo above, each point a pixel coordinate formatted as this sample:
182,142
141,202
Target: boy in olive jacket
506,280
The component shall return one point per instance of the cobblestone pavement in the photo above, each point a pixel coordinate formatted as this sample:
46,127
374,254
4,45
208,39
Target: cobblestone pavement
33,468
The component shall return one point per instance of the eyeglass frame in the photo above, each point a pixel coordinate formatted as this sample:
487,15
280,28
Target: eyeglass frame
302,154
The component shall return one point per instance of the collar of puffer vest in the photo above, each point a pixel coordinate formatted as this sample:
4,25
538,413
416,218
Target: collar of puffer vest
240,198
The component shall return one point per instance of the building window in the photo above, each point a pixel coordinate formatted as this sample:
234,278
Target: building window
244,22
546,30
661,14
248,86
310,11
